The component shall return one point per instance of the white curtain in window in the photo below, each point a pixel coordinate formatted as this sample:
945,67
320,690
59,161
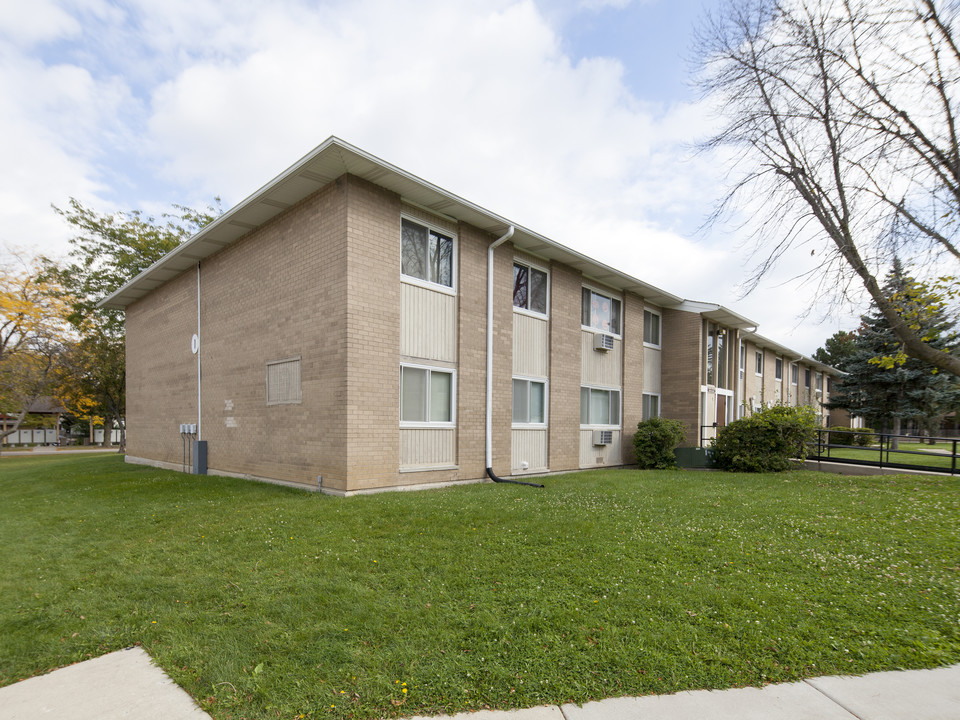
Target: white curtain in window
413,394
536,402
440,396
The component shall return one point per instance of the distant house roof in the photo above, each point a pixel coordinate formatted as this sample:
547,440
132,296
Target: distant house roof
48,406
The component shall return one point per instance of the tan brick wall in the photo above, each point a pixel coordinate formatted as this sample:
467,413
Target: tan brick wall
565,367
278,293
161,369
632,371
752,384
373,336
472,352
681,370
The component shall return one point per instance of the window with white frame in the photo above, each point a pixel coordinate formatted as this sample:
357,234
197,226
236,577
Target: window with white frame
794,373
283,382
529,402
651,406
651,328
778,369
743,360
599,406
806,378
426,254
759,363
818,383
600,312
426,395
529,288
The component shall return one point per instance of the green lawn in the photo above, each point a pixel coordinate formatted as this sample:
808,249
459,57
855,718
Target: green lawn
269,602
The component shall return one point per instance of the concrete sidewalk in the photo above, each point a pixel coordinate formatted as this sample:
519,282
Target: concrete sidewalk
908,695
122,684
126,684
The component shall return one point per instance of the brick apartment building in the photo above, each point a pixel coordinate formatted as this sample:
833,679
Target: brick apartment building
332,331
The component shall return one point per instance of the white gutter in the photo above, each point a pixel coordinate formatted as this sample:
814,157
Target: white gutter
489,425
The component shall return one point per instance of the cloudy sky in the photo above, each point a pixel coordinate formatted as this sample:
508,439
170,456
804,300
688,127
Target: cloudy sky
574,118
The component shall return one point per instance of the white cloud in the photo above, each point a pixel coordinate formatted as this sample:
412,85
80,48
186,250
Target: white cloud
38,21
200,97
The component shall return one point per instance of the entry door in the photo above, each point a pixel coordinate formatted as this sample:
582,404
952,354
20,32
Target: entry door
721,410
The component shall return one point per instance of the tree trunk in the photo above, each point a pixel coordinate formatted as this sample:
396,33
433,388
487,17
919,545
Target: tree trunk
894,440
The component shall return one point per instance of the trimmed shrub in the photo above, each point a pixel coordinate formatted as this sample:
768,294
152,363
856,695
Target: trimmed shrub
862,437
765,441
655,441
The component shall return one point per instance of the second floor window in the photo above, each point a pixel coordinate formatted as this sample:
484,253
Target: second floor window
651,328
426,254
529,288
600,312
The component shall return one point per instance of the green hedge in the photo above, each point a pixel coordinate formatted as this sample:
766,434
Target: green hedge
767,440
862,437
655,441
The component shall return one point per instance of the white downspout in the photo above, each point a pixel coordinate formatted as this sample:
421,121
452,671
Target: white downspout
489,426
199,397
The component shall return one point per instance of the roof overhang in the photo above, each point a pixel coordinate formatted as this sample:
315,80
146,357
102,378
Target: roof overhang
324,165
719,314
789,353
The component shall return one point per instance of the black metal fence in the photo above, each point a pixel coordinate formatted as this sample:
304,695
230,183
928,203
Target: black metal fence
885,450
880,450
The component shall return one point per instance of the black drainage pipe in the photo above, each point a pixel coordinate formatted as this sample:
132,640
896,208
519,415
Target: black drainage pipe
513,482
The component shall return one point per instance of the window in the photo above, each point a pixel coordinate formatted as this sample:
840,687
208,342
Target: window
818,384
794,373
651,328
600,312
426,254
651,406
806,378
778,369
720,350
829,384
426,395
283,382
529,288
759,363
599,407
709,333
743,360
529,402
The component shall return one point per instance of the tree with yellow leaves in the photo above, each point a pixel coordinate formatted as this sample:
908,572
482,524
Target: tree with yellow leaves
33,337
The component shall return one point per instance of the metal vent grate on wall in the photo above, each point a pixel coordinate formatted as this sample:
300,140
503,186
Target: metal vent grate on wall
283,382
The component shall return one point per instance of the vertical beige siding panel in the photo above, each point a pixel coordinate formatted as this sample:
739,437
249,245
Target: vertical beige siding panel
529,446
428,323
598,367
651,370
530,346
427,447
599,455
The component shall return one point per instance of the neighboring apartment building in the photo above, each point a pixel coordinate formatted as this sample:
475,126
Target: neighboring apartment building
352,327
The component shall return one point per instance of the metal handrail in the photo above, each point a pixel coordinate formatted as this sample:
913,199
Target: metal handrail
883,448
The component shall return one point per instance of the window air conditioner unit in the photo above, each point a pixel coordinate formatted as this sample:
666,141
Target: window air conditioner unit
602,437
602,342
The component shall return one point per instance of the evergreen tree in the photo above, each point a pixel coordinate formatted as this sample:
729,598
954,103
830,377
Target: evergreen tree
837,349
885,396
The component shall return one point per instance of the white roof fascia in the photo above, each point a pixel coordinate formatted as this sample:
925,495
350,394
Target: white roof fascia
323,165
